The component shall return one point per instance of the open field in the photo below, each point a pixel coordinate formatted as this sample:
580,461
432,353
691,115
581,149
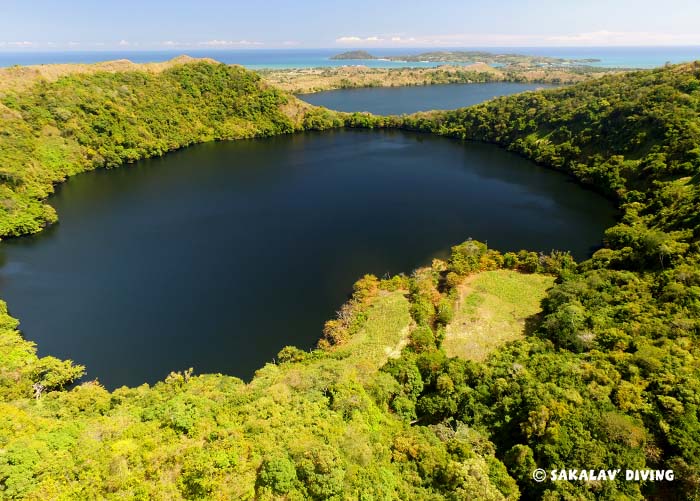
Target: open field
492,309
383,335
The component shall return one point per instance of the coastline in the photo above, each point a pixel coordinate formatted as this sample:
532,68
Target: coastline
310,80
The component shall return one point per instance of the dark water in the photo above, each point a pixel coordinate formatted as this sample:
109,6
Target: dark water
400,100
219,255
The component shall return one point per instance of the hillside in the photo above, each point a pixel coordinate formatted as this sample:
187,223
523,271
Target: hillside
314,425
61,120
16,78
611,375
606,375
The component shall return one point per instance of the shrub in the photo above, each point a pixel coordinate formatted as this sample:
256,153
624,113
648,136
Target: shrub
278,473
291,354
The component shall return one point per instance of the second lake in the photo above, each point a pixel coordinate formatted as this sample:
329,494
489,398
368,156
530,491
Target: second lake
405,100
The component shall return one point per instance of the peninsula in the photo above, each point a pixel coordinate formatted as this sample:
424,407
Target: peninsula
461,56
308,80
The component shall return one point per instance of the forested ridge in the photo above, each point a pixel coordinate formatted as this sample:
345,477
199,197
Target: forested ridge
79,122
607,377
611,376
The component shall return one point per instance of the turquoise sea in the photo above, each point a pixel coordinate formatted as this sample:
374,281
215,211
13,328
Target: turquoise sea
611,57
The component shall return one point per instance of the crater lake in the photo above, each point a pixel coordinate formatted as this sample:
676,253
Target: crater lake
217,256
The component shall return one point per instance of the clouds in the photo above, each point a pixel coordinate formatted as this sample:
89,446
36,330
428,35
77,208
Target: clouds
449,40
17,44
600,38
229,43
130,45
358,39
348,40
621,38
590,39
315,24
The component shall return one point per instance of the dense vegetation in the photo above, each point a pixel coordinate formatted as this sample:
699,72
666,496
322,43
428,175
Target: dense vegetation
354,54
314,426
82,122
612,376
608,377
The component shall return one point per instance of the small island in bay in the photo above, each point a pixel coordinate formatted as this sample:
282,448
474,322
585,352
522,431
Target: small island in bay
354,54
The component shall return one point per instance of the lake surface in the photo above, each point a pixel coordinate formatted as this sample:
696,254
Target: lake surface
219,255
611,57
400,100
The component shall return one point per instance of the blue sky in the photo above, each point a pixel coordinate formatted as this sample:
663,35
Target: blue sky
207,24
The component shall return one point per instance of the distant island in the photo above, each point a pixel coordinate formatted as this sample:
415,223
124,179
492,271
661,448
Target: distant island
355,54
466,57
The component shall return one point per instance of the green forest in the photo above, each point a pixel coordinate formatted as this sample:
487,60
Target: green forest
607,376
82,122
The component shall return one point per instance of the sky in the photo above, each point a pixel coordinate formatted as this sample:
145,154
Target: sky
273,24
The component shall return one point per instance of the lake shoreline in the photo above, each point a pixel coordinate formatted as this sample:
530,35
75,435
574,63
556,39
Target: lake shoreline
408,100
116,215
313,80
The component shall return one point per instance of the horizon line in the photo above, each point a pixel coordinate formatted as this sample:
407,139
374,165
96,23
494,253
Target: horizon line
16,50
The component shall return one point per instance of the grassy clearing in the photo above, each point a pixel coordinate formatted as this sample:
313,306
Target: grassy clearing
491,310
383,335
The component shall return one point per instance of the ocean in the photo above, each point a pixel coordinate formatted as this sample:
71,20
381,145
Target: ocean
610,57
